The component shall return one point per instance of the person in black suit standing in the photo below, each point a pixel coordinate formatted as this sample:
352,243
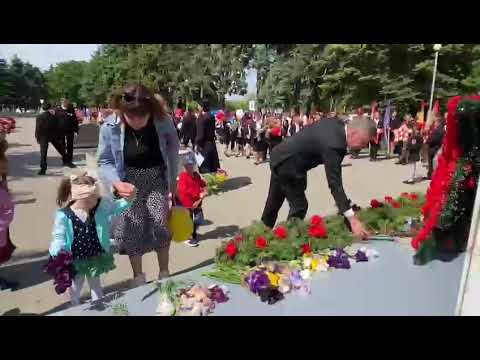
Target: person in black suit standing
47,130
189,128
325,143
69,125
205,140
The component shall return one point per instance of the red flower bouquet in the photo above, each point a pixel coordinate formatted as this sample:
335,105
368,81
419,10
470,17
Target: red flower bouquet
388,199
316,220
280,232
231,250
306,249
261,242
317,231
395,204
375,204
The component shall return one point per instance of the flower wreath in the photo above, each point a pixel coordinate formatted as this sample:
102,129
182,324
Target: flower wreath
450,197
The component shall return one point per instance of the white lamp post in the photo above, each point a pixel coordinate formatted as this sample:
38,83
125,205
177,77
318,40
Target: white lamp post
436,48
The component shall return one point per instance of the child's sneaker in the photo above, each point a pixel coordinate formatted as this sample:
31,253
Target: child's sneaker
191,243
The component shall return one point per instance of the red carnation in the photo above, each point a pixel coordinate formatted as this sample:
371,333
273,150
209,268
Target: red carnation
388,199
395,204
317,231
413,197
231,250
306,249
280,232
375,204
404,195
261,242
276,132
316,220
470,183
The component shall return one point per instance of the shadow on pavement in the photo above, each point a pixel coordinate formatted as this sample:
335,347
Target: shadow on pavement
236,183
26,274
17,312
220,232
195,267
17,145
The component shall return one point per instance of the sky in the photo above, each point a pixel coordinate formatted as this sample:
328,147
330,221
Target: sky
44,55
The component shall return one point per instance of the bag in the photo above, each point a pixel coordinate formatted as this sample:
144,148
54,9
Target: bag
180,224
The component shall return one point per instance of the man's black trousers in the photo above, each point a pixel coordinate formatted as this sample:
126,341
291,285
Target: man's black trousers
285,184
68,144
57,143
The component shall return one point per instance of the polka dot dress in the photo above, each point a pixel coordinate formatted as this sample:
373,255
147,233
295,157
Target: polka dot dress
143,227
85,239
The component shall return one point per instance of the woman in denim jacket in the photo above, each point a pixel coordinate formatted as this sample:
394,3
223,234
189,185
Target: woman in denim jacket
138,151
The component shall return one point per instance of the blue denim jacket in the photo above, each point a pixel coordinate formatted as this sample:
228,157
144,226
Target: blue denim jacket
111,164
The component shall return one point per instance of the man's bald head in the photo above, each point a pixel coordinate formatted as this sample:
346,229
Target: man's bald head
360,131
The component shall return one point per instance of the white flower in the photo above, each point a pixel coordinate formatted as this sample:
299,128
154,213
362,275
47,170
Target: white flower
307,262
306,274
165,307
372,253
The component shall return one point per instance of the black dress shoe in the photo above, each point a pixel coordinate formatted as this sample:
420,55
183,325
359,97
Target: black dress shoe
42,172
409,182
70,165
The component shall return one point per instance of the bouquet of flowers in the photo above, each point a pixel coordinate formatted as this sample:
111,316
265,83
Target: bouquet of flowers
61,268
7,125
215,181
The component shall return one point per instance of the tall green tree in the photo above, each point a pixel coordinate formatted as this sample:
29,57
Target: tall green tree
65,79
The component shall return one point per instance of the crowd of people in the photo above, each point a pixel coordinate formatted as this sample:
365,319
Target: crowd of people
138,163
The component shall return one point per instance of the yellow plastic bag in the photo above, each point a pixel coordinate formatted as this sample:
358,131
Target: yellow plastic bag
180,224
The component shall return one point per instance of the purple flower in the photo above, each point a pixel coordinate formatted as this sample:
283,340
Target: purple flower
296,279
62,270
361,256
339,260
217,295
270,295
257,280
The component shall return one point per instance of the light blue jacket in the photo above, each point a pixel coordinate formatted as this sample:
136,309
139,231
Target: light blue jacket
111,164
63,227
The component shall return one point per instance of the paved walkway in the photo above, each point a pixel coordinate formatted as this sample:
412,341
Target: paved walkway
234,209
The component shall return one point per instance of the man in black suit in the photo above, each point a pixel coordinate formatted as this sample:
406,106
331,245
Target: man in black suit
205,140
47,130
69,125
325,143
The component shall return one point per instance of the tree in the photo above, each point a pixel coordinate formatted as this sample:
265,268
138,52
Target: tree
28,84
65,80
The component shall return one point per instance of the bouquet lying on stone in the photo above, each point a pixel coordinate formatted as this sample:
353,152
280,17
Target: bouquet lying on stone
291,240
187,299
215,181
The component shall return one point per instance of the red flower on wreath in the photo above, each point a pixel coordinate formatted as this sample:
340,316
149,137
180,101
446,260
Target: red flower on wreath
405,195
261,242
388,199
395,204
316,220
375,204
470,183
231,250
280,232
306,249
413,197
317,231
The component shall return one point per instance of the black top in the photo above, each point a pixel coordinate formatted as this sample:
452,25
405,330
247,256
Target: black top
67,119
189,128
47,126
141,148
205,129
323,143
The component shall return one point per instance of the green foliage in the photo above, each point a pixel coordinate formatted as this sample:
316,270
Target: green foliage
231,105
65,79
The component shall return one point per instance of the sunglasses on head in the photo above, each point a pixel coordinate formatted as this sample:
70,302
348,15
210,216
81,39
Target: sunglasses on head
131,98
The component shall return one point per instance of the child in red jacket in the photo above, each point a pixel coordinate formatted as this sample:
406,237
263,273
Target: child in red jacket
191,191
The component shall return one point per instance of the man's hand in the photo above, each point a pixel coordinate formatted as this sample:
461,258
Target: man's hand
357,228
124,190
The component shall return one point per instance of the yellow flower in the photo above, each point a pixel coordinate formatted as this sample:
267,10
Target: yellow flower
274,278
315,263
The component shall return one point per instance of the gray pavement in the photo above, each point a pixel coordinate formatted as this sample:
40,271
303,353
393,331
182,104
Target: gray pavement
237,207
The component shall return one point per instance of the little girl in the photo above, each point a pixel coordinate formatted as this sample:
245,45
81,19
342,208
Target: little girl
81,235
6,215
191,191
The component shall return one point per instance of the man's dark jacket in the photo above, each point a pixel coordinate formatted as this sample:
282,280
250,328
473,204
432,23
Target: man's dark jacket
324,142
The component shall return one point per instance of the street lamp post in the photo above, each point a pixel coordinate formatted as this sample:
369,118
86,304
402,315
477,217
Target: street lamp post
436,48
